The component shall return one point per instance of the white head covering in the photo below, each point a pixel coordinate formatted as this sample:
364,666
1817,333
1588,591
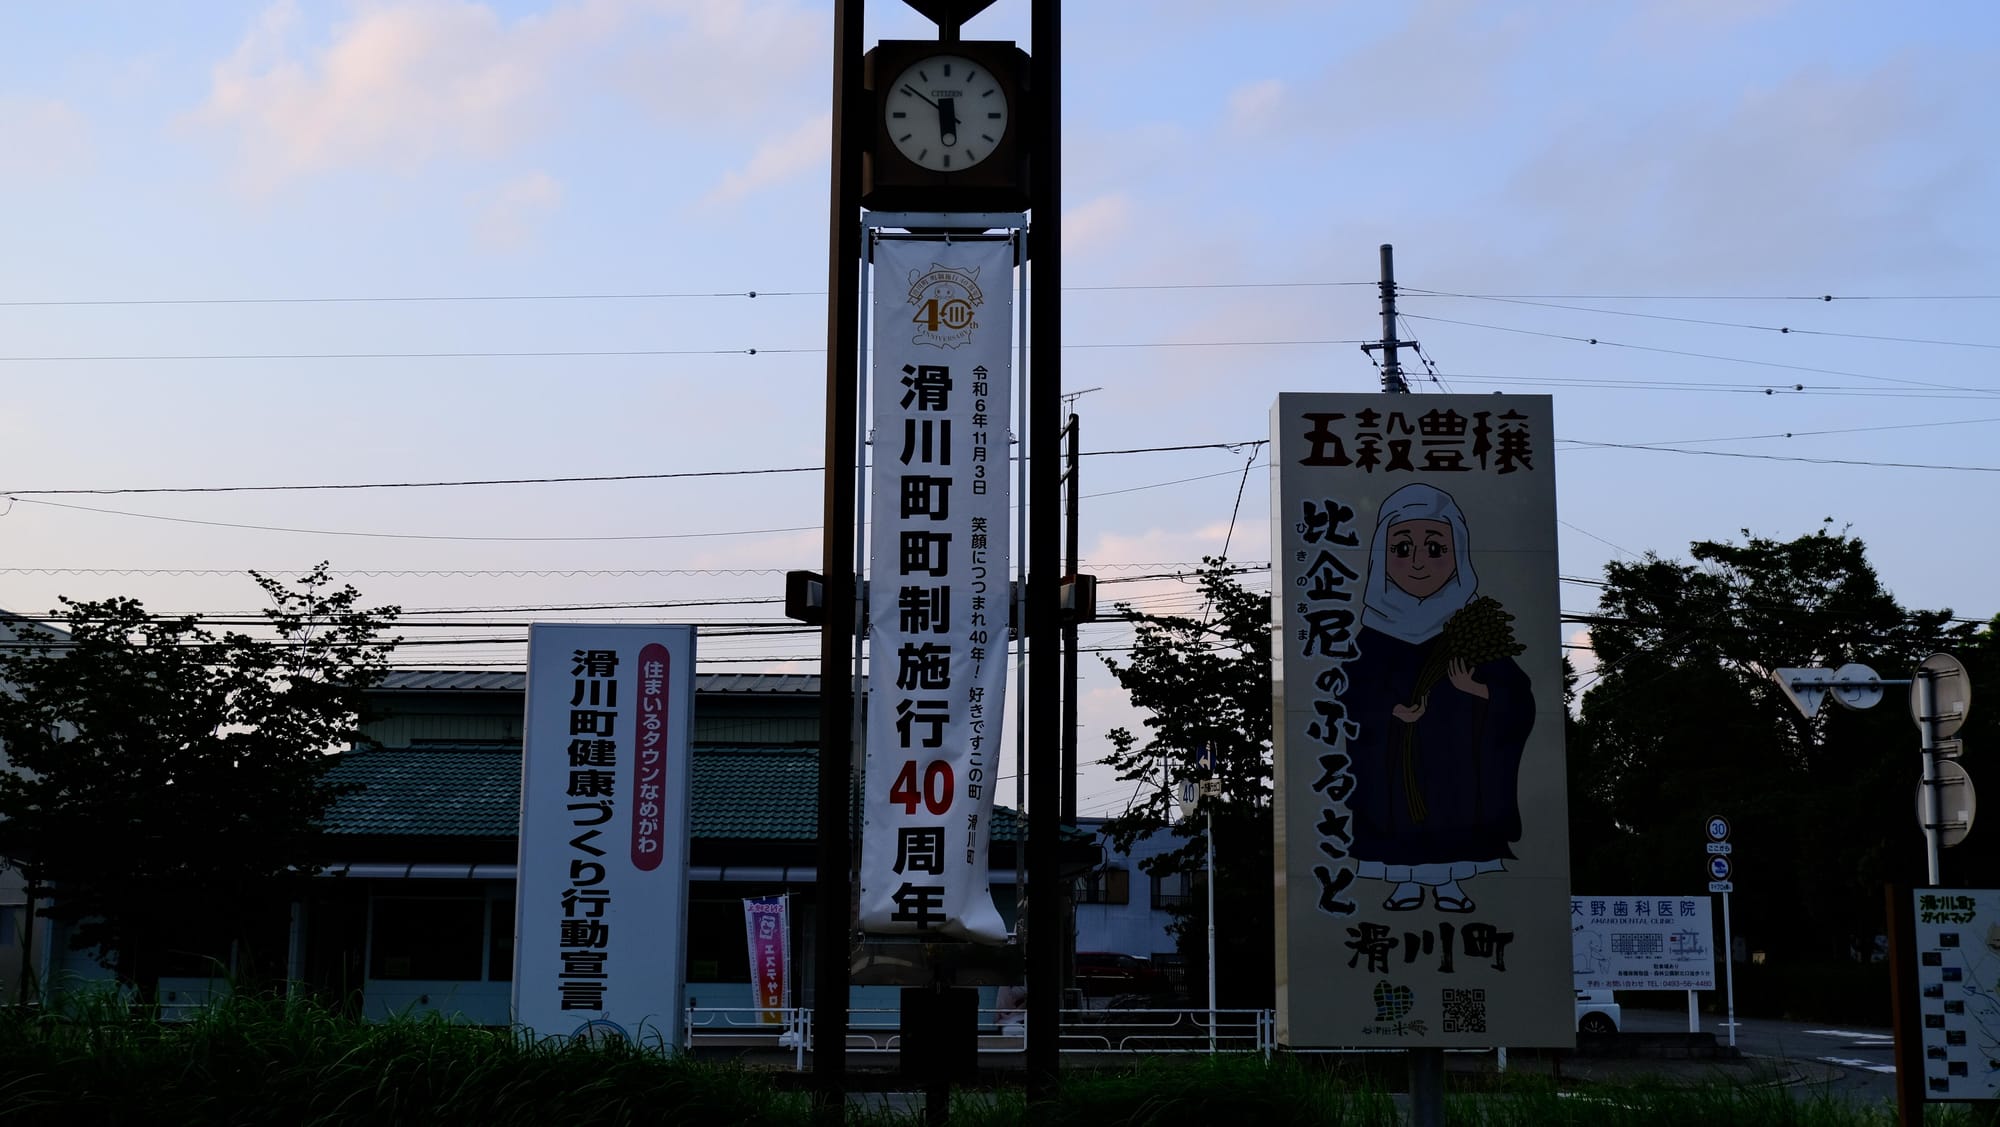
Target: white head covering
1394,611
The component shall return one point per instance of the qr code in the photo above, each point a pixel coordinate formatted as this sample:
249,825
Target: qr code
1465,1011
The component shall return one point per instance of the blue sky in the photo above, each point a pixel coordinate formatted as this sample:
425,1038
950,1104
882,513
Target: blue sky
1620,164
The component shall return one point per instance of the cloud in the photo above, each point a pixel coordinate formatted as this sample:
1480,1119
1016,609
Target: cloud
401,83
1459,49
45,139
809,146
1096,223
397,85
1814,171
1255,105
508,220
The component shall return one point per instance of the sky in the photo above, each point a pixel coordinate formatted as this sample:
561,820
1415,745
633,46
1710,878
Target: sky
396,241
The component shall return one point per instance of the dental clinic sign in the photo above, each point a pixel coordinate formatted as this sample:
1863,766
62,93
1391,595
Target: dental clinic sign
601,900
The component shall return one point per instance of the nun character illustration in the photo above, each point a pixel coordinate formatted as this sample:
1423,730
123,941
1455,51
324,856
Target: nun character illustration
1441,711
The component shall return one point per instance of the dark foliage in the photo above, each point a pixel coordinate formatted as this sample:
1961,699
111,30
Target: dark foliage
168,781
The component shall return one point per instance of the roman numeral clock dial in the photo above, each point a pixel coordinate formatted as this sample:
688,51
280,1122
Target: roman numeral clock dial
945,113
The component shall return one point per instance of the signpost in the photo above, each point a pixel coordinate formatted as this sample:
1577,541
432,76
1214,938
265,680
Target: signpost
1940,698
1718,852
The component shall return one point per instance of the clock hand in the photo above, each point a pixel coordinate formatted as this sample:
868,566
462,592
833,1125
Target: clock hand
912,92
948,121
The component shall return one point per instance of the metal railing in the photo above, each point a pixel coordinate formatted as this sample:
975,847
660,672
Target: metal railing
1097,1032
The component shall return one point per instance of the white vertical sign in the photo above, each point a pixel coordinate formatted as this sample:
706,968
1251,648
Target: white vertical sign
1958,974
601,900
938,585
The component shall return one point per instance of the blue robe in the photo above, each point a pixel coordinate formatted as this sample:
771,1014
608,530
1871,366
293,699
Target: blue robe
1463,755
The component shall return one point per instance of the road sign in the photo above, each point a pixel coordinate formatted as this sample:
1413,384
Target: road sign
1211,788
1951,693
1204,757
1856,686
1718,868
1957,804
1718,828
1806,686
1721,886
1721,847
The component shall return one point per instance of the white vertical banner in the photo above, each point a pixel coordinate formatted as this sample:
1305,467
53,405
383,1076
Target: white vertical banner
601,900
937,585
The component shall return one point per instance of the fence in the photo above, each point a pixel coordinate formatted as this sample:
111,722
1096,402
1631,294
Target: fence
1083,1032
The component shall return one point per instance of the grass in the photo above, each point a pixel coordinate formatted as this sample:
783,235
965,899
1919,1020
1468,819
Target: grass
278,1061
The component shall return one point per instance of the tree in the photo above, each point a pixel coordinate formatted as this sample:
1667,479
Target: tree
1685,720
168,782
1206,683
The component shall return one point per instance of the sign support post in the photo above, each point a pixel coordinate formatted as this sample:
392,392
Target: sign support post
1719,869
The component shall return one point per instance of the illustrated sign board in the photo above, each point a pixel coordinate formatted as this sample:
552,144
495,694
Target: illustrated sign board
1642,942
1422,862
1958,982
601,899
937,585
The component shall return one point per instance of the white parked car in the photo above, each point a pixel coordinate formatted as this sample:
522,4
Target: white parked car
1597,1011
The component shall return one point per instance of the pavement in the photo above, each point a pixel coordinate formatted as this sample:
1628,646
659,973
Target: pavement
1680,1071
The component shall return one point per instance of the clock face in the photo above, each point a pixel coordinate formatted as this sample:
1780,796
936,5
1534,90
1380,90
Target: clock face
945,113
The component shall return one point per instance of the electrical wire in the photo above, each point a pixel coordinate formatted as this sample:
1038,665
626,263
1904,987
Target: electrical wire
385,299
602,353
1784,457
1780,329
1704,355
567,480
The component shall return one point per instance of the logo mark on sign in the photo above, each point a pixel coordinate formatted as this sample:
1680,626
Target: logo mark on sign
946,299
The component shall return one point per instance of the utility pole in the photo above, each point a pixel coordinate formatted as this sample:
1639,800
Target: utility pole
832,887
1045,782
1426,1064
1392,365
1074,432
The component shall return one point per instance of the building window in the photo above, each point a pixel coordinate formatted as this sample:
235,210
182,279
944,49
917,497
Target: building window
1170,890
428,938
500,944
1110,885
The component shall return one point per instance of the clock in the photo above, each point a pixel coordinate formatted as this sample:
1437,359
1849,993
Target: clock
949,129
945,113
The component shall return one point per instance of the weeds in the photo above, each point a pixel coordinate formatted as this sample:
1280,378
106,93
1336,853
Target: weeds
252,1060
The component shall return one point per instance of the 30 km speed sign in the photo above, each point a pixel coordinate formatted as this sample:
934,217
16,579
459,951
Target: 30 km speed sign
1718,828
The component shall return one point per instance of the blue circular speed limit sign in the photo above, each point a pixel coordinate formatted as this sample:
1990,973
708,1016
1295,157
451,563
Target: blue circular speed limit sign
1718,868
1718,829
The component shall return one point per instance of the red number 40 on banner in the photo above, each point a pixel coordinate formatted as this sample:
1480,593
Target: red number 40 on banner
937,789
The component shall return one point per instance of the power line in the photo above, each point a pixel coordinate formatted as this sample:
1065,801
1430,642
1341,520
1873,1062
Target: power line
388,299
1793,390
1817,433
603,353
1782,457
1701,355
538,573
1780,329
566,480
420,535
408,484
1714,297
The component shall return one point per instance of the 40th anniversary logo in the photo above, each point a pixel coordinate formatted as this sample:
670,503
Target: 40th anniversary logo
945,298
